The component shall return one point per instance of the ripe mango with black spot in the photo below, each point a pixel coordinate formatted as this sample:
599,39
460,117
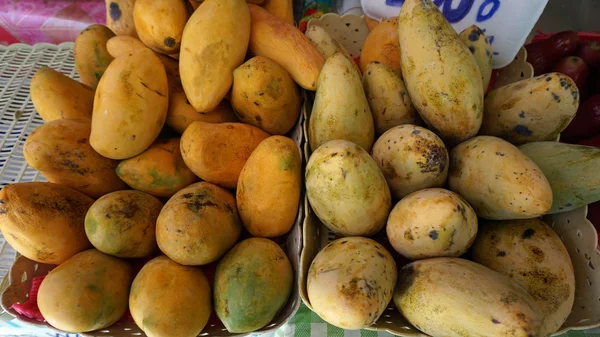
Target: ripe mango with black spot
119,17
168,299
276,193
351,281
530,253
130,105
160,23
440,73
388,98
44,221
159,170
341,109
123,224
498,180
88,292
61,151
572,171
252,283
217,152
411,158
453,297
90,53
265,95
198,225
347,190
433,222
55,95
214,43
479,45
181,113
535,109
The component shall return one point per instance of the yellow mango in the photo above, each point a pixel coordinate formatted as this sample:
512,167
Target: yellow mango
159,23
268,203
214,43
273,37
264,95
56,96
91,55
440,73
130,106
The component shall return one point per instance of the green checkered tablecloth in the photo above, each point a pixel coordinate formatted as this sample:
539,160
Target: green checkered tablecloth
308,324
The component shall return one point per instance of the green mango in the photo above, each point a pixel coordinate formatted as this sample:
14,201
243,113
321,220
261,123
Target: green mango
572,171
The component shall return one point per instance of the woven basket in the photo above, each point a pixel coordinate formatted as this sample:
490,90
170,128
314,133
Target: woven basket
576,232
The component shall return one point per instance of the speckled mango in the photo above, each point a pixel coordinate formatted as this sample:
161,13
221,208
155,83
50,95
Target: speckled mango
88,292
347,190
91,55
341,109
159,306
277,39
44,221
453,297
159,170
159,23
479,45
268,203
264,95
119,17
440,73
252,283
388,98
214,43
432,222
530,253
55,95
498,180
130,106
572,171
122,224
217,152
530,110
181,113
61,151
381,45
411,158
198,225
351,281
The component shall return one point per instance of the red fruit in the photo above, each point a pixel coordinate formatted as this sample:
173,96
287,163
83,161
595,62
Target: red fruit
543,54
586,122
589,51
564,43
593,141
539,56
575,68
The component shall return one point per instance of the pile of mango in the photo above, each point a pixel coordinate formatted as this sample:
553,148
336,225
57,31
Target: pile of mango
457,180
172,150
